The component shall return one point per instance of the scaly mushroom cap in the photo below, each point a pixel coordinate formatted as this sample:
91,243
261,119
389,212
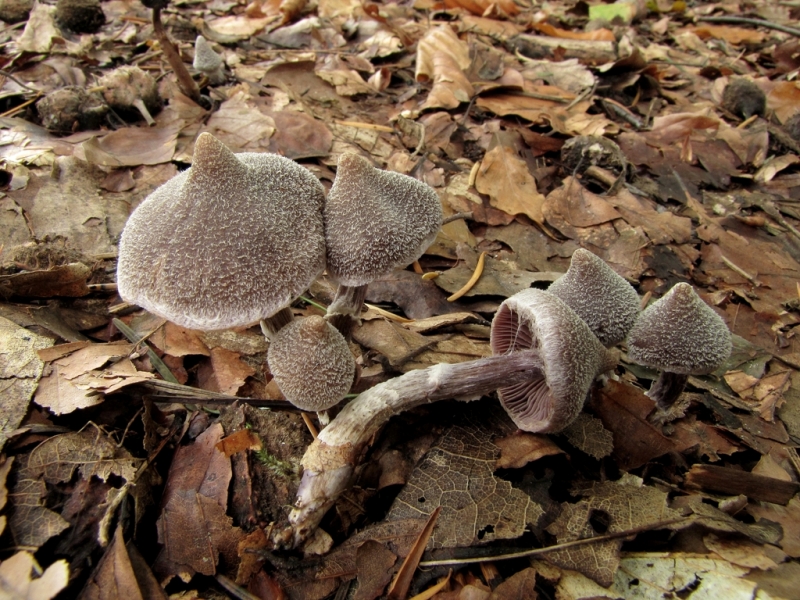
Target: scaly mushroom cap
599,296
571,356
228,242
311,363
680,334
376,221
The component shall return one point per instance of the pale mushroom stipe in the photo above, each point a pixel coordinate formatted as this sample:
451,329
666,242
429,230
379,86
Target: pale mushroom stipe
545,361
232,240
680,335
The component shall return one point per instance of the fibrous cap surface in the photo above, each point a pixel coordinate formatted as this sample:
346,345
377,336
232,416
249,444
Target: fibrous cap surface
599,296
376,221
311,363
571,354
680,334
228,242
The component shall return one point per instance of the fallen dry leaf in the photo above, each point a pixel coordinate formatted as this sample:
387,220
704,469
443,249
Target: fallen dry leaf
20,370
505,178
195,500
22,577
442,58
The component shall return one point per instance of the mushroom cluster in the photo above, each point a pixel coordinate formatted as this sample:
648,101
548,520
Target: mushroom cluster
237,238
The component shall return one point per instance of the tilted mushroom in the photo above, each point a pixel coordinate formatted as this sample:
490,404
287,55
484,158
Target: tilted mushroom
375,221
605,301
545,351
208,62
571,357
311,363
681,336
232,240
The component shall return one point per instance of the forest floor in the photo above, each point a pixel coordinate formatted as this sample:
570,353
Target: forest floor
131,470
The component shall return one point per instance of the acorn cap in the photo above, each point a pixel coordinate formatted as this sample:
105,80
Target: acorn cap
376,221
311,363
228,242
680,334
571,357
599,296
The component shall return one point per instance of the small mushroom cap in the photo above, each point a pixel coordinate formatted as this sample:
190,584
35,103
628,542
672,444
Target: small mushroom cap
205,59
680,334
376,221
570,354
311,363
599,296
228,242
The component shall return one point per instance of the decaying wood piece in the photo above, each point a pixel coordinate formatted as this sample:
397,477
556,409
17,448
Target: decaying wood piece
587,51
734,482
329,462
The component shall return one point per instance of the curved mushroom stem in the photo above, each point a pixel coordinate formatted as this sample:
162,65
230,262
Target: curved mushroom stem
344,311
667,388
272,325
329,463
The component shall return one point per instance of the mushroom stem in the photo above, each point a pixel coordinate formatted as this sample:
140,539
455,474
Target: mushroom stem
667,388
185,81
272,325
140,106
330,461
345,310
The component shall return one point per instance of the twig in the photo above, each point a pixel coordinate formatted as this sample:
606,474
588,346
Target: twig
472,280
750,21
177,391
311,428
588,92
457,217
736,269
134,338
185,81
8,75
554,548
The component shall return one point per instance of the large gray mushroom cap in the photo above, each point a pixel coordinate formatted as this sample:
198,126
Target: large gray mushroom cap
376,221
680,334
599,296
571,357
311,363
228,242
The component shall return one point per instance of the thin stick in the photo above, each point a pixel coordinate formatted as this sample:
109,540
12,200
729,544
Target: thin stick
736,269
472,280
311,428
185,81
458,216
749,21
159,365
554,548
